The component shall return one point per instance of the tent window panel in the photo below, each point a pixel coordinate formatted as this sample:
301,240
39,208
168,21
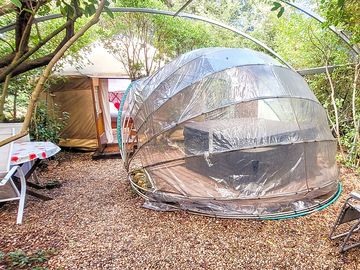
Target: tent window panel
183,60
243,82
277,110
168,88
171,113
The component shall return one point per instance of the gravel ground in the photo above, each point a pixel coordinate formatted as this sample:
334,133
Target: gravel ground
96,222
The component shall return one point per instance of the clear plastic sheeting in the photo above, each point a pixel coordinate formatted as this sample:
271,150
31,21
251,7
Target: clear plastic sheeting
229,133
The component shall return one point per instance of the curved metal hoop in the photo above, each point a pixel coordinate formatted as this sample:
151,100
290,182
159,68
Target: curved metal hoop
207,20
320,19
170,13
313,15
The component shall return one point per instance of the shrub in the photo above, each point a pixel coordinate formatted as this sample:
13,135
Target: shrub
47,124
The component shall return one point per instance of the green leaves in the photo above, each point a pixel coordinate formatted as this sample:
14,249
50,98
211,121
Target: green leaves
278,6
344,15
66,9
16,3
281,12
89,7
109,12
89,10
86,7
341,3
18,259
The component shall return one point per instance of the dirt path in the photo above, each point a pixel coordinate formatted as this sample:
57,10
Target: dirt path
96,222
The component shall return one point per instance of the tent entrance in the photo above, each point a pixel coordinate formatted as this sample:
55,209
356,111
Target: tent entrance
107,95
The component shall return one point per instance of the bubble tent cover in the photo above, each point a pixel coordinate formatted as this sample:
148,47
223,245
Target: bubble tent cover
228,132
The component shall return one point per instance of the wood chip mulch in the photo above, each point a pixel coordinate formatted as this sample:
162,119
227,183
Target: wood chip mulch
95,221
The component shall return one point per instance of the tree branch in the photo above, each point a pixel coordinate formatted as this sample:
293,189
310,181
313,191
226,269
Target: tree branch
30,65
6,9
8,43
17,66
7,59
40,84
13,138
22,30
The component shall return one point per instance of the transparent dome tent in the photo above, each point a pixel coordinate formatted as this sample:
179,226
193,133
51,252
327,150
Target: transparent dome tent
228,133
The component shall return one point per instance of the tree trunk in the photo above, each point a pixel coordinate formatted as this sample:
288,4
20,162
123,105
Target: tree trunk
23,30
40,84
14,105
18,67
3,97
333,101
354,150
24,23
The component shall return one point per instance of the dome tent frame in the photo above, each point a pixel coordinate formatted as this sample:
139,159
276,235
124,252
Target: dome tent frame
155,82
342,35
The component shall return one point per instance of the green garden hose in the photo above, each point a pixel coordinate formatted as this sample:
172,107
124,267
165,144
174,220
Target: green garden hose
336,197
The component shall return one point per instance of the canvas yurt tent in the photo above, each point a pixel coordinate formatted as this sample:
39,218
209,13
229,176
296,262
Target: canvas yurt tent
230,133
91,95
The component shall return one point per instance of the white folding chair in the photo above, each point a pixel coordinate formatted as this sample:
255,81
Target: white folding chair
350,215
8,190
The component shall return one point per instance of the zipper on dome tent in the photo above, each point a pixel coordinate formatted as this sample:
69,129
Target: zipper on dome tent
119,123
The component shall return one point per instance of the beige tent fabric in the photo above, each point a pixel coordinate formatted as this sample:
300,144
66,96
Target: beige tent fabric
78,104
99,63
73,95
106,110
70,83
81,144
7,190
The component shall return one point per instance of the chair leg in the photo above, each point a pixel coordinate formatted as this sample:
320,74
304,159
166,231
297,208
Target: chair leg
22,196
353,229
338,220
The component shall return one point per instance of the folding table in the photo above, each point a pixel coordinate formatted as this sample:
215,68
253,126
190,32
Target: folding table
30,154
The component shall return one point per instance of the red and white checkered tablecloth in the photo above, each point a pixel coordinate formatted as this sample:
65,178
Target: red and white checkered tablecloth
27,151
